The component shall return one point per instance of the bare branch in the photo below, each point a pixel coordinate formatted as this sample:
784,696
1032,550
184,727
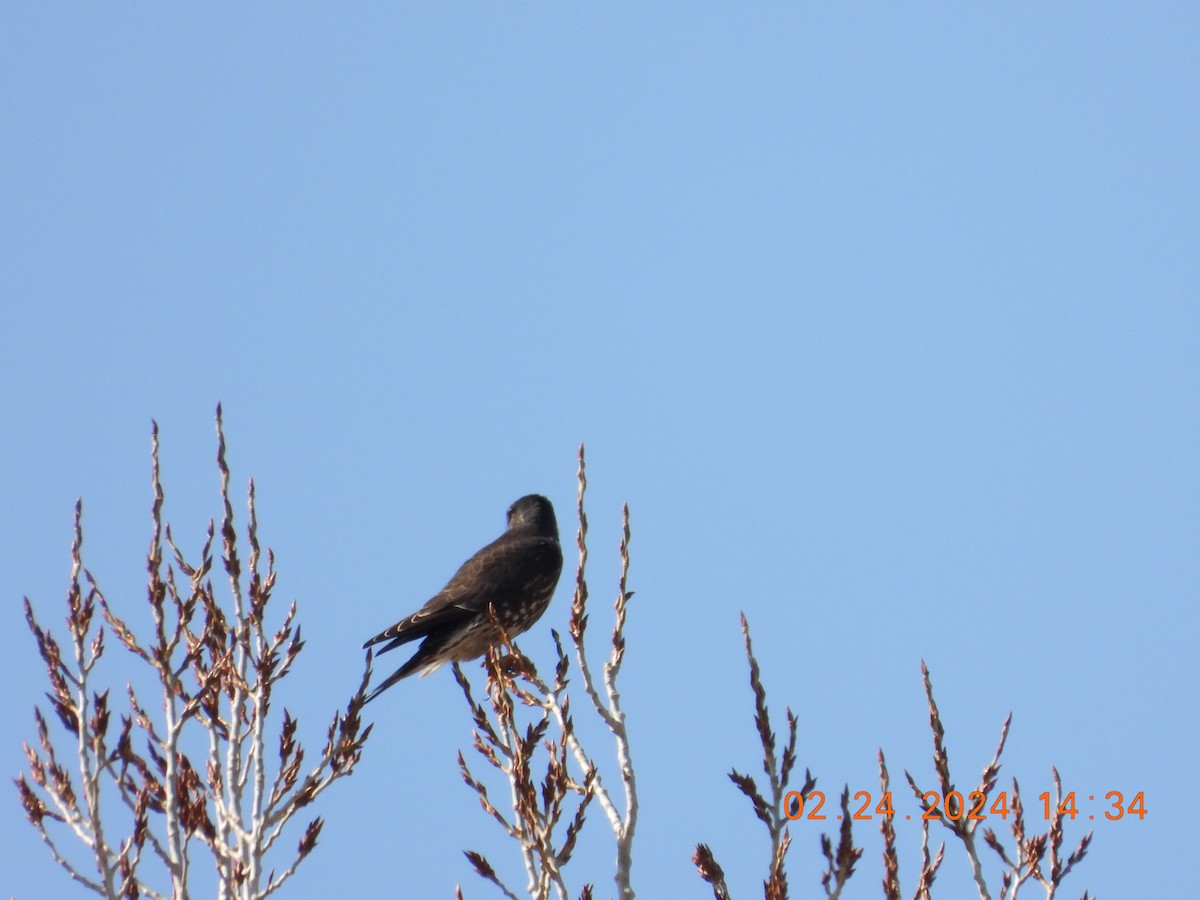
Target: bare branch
217,678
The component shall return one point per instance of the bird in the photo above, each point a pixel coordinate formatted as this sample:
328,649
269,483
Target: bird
515,575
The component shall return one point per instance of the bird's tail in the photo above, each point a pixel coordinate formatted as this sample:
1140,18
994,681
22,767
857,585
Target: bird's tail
423,661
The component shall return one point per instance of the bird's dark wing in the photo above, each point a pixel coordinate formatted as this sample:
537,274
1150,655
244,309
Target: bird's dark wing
497,570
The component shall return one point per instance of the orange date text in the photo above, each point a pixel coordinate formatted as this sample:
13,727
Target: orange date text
972,807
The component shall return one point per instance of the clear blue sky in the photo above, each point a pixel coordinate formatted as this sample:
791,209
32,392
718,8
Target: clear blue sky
884,321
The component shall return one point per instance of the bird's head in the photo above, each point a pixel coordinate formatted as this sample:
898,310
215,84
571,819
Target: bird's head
534,513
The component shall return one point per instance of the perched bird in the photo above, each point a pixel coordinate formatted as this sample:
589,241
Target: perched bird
516,574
